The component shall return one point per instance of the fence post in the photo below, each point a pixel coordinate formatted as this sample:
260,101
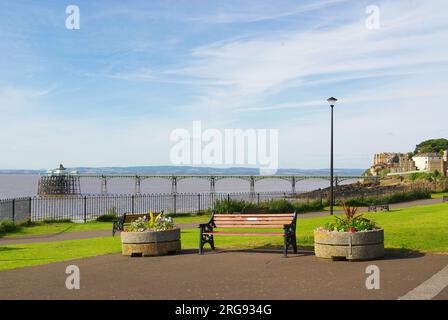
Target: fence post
85,208
199,203
132,203
13,212
174,204
228,202
30,202
258,199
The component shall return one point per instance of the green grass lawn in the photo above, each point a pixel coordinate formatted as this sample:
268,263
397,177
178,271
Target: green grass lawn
62,227
58,227
439,195
422,228
16,256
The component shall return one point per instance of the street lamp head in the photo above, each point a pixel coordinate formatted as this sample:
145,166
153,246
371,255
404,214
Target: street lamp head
332,101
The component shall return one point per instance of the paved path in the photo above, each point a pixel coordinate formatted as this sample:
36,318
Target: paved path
106,233
223,275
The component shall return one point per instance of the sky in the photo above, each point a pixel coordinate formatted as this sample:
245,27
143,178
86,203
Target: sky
111,92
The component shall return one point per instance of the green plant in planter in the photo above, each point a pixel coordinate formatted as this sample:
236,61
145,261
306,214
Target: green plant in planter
153,223
350,222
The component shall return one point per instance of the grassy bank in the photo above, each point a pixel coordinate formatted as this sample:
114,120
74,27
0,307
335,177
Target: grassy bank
421,228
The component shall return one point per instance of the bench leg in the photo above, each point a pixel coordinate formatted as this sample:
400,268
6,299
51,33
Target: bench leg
294,244
203,239
212,242
201,243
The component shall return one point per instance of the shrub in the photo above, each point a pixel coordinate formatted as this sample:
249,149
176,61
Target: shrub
272,206
392,198
53,220
315,205
278,206
230,206
108,217
408,196
7,226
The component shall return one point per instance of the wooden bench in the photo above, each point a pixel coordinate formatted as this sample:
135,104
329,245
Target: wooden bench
445,199
119,222
375,207
284,221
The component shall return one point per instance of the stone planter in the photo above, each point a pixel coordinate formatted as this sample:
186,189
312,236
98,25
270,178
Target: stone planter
365,245
150,243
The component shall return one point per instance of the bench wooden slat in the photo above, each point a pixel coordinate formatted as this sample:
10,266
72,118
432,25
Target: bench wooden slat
253,221
229,233
276,222
254,215
254,226
254,218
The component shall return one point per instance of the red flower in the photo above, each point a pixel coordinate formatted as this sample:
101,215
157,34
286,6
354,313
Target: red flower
352,229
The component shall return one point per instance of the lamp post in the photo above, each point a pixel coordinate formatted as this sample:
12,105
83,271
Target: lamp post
332,102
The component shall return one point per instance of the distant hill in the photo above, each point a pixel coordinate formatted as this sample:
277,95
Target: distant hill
193,171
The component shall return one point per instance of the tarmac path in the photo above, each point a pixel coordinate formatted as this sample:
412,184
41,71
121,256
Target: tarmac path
244,274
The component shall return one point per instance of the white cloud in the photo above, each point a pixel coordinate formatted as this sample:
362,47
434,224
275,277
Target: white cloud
257,12
253,69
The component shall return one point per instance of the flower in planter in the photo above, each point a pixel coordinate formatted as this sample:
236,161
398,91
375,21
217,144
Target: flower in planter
154,223
350,222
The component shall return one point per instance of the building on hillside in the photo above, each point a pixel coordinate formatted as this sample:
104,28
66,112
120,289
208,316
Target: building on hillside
431,162
391,162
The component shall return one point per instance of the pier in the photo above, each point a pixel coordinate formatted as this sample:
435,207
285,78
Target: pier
251,179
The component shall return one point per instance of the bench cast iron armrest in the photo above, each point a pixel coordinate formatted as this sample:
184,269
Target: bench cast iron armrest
206,238
118,224
290,236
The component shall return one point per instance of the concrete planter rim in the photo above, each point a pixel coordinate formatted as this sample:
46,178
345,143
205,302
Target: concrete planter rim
151,236
343,232
149,230
361,245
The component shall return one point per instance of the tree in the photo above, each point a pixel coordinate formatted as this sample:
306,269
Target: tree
432,145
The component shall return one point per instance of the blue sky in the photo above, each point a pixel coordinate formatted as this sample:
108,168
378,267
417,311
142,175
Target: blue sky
110,93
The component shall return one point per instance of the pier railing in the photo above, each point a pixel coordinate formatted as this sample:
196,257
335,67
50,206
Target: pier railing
84,208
